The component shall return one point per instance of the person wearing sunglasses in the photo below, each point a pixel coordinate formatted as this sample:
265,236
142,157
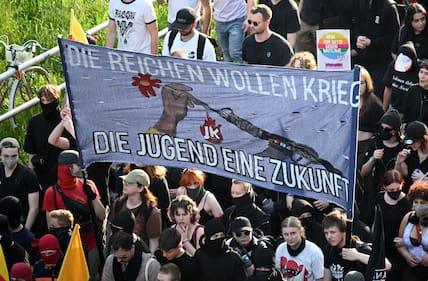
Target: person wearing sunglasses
412,162
379,159
243,241
264,46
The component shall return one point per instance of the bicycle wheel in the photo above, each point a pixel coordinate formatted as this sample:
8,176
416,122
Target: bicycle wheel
33,78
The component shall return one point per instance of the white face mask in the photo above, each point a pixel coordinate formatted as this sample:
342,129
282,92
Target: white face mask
10,162
420,209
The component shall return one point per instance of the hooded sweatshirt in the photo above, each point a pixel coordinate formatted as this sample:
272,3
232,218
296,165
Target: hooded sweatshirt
402,73
73,189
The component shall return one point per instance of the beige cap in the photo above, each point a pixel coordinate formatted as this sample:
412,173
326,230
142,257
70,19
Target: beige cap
9,142
137,176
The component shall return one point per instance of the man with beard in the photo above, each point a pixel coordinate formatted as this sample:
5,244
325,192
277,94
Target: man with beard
217,261
243,205
264,46
184,36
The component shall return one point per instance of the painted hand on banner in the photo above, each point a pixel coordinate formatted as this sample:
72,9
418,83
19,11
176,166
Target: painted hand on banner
175,100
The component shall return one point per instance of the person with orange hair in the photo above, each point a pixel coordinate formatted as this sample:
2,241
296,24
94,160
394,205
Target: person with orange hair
412,242
192,184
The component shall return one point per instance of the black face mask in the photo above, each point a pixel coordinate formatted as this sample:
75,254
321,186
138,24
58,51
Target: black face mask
50,109
385,134
394,195
63,234
196,194
243,201
215,247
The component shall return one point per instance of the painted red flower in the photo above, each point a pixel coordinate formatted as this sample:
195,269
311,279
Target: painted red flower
145,84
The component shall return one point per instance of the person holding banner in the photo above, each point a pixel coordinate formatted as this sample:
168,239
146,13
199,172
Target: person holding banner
339,259
71,192
412,242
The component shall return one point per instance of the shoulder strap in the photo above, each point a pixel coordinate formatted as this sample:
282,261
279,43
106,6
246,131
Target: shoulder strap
201,45
146,269
171,38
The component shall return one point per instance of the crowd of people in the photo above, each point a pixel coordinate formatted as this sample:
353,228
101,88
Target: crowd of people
171,224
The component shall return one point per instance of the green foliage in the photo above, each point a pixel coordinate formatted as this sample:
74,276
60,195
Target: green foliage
44,21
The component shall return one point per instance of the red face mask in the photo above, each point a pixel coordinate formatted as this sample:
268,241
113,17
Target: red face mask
50,259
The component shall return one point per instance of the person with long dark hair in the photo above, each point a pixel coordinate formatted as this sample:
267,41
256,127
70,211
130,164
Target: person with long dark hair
415,29
138,199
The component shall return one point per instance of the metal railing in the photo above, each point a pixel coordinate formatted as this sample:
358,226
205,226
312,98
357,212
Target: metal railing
10,72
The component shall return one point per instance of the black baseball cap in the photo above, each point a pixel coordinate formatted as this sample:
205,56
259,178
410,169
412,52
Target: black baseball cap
415,131
185,17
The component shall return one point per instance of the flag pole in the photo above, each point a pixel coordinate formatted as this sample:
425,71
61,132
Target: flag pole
94,223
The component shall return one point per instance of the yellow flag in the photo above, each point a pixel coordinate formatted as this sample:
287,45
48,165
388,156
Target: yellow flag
76,30
74,266
4,273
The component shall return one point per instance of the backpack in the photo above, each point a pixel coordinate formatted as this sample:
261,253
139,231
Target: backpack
201,43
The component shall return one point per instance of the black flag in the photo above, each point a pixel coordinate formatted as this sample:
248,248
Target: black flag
376,267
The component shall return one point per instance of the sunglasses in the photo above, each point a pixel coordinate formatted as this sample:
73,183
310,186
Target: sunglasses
250,22
246,233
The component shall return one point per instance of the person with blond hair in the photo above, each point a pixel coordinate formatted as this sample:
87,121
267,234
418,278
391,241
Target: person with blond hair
296,250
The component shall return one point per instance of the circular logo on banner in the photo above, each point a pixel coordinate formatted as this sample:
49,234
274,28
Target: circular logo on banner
333,45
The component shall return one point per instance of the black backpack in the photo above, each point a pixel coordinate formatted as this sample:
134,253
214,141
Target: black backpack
201,43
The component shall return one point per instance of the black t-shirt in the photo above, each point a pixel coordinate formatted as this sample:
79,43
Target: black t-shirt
392,216
400,83
22,182
369,122
412,162
273,51
188,266
36,142
387,162
224,267
338,267
416,106
285,18
311,12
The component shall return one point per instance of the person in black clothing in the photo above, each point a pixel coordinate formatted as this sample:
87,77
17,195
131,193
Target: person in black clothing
338,259
11,207
264,46
415,29
375,30
416,106
264,264
18,180
42,157
13,252
172,251
285,18
401,74
412,162
395,206
216,260
243,206
380,158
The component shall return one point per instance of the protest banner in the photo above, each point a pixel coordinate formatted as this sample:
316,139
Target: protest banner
333,49
283,129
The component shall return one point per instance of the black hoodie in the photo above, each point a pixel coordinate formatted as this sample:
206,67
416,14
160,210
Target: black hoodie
400,82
